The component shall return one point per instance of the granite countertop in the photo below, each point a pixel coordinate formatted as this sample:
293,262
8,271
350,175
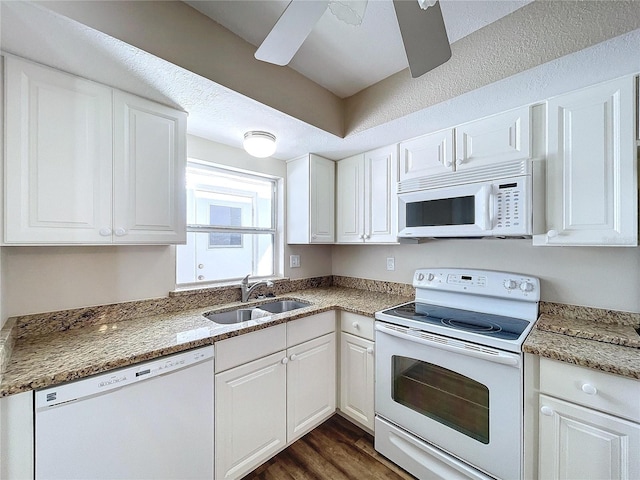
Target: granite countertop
38,361
609,346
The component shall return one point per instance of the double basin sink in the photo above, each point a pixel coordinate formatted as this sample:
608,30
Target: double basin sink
258,311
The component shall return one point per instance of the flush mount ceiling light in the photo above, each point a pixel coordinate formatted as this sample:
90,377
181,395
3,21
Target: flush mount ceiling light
259,144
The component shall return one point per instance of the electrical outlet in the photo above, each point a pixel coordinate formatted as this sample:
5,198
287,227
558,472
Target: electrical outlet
294,261
391,263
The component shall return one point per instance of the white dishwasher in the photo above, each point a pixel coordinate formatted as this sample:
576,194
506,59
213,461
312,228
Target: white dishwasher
153,420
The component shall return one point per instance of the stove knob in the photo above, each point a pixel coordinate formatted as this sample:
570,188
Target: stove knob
510,284
526,286
420,277
430,277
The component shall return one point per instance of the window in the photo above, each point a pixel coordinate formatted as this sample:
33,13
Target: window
231,226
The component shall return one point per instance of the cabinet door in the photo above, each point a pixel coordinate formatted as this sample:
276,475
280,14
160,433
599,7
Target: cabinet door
381,199
591,176
499,138
149,172
311,385
250,415
356,379
580,443
322,201
427,155
350,207
58,163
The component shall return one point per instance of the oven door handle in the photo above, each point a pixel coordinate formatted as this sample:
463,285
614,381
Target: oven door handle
496,356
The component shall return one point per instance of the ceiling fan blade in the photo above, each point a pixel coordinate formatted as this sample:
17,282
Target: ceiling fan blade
291,29
424,36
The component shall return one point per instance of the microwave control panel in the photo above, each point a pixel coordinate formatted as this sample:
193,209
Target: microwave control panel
510,209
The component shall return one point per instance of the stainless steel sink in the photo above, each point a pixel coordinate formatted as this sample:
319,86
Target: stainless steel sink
281,306
233,316
243,314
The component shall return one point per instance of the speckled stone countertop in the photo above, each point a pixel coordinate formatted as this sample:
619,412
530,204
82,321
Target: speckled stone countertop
592,338
41,360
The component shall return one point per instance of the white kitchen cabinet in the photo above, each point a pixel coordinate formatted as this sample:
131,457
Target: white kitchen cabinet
250,415
264,400
591,167
367,203
427,155
149,204
310,200
581,443
589,423
495,139
357,369
311,385
86,164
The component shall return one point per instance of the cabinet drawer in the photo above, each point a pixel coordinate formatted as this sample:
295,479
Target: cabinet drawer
250,346
358,325
592,388
306,328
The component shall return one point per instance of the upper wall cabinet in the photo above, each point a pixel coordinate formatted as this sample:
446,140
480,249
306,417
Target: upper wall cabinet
591,194
499,138
367,200
86,164
310,200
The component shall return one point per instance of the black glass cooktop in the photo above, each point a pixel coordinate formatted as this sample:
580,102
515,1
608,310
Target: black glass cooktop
488,324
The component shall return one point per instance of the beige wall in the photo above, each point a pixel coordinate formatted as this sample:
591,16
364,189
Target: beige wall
589,276
42,279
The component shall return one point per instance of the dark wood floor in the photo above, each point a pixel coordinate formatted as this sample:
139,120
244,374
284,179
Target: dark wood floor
336,450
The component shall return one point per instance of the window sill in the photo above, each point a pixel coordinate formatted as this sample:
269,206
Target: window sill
191,289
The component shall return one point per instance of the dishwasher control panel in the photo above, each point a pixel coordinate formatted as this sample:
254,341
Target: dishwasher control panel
103,382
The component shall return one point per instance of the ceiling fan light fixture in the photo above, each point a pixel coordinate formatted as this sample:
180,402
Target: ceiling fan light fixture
424,4
259,144
350,12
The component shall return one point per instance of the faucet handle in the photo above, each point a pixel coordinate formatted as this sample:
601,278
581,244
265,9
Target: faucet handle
245,280
269,283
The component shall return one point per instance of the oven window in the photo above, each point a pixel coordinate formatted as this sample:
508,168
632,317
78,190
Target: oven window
443,395
443,211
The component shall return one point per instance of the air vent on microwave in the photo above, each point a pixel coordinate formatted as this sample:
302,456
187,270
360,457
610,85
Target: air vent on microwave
479,174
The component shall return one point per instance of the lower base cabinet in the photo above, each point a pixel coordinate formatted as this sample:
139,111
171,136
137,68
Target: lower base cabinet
357,369
581,443
588,424
356,379
266,404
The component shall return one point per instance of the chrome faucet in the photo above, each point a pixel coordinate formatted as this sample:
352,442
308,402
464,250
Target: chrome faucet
246,289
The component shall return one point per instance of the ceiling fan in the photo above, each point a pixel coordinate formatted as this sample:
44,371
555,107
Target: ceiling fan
421,25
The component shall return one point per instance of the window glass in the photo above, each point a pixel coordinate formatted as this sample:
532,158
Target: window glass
443,395
230,226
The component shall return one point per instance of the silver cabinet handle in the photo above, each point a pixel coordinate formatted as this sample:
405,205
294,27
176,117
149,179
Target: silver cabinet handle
120,232
370,350
105,231
293,357
284,361
589,389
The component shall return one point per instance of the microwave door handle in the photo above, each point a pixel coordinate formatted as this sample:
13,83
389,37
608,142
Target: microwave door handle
485,207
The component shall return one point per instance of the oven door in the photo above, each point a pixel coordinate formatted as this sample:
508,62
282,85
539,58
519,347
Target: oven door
463,398
458,211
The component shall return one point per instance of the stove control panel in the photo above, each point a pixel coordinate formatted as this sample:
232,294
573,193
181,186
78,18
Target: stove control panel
479,282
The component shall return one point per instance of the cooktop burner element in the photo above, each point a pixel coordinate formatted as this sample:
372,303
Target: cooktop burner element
496,309
455,319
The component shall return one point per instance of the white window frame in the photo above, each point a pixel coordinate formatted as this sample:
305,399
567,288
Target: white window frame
276,229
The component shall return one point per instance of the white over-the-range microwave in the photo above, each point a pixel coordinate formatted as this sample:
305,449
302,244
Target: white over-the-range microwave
491,201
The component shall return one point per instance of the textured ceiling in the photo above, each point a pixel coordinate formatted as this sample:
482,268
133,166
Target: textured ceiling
343,58
387,112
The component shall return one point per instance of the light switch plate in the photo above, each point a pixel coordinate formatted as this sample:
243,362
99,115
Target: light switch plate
294,261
